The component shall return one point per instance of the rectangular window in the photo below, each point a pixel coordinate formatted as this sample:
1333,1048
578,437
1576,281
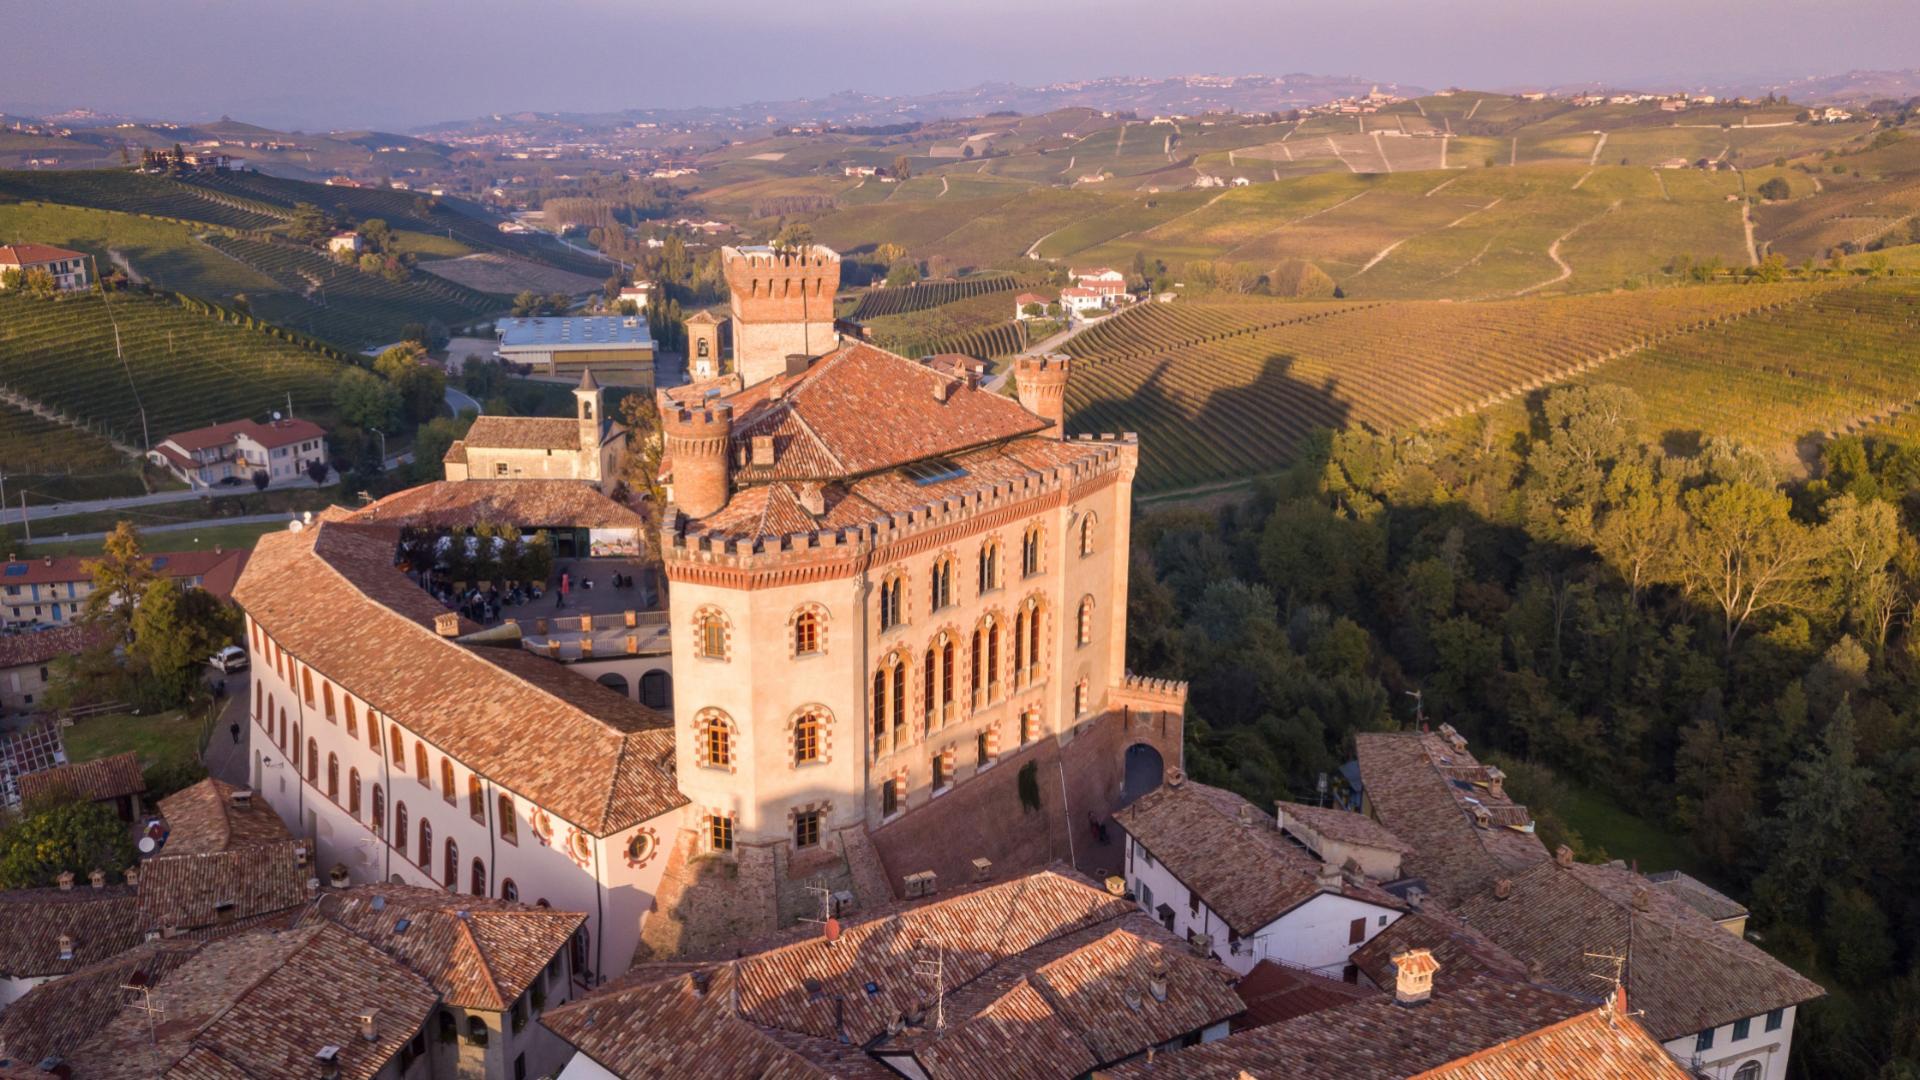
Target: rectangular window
1193,902
720,832
939,772
1775,1019
1703,1042
981,757
806,829
890,798
1356,931
1742,1028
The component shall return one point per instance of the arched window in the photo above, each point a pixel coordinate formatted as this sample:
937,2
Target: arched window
509,891
712,637
890,703
1019,645
806,634
1749,1071
373,732
398,746
1029,725
283,730
1086,620
476,798
993,654
1082,698
426,845
989,566
326,695
1086,533
333,777
306,686
940,584
1030,551
420,762
477,881
353,721
716,739
258,689
509,826
446,780
353,792
451,865
379,810
400,833
937,691
891,604
656,690
313,763
1033,635
806,738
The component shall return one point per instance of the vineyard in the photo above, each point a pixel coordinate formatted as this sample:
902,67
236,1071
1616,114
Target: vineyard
1146,329
1806,369
990,343
49,460
187,369
927,294
137,193
1240,404
342,303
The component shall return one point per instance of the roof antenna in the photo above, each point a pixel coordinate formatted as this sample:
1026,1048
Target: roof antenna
936,969
146,1004
1419,708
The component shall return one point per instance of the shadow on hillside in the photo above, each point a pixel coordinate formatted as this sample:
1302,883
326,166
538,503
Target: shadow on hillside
1191,436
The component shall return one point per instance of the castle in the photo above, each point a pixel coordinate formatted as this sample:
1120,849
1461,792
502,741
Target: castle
780,304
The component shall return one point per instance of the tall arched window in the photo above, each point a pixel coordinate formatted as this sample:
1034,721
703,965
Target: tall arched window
450,866
446,781
1030,551
426,845
509,891
313,763
989,566
420,762
716,739
940,584
373,732
1086,620
333,777
891,604
326,695
353,721
806,738
1033,638
353,792
806,634
283,731
258,690
477,882
890,703
937,689
398,746
379,810
400,833
476,798
1086,533
509,826
1082,698
1019,645
712,636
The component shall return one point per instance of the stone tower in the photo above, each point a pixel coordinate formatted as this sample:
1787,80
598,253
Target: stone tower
703,346
781,305
696,442
1042,383
587,403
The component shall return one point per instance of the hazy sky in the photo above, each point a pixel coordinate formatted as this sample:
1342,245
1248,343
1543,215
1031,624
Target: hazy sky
397,63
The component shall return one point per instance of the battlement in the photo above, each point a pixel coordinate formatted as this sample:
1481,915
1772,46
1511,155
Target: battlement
697,423
1042,385
1056,365
768,285
1146,692
682,547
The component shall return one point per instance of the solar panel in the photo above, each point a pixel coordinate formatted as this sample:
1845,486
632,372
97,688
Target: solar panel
932,471
16,569
160,562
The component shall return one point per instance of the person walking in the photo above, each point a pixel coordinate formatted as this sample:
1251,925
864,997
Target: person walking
234,730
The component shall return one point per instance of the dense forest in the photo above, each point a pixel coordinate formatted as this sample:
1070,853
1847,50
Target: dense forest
1729,661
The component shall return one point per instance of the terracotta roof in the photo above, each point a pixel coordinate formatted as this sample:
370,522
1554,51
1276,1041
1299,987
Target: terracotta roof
1601,1042
1685,971
1461,951
1051,955
1233,856
203,818
259,1005
1699,895
34,254
524,433
45,646
57,1017
1344,826
220,568
476,952
216,888
330,595
824,421
1274,993
1371,1039
102,922
93,781
1423,789
274,433
449,504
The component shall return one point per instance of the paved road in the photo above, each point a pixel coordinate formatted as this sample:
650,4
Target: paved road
177,526
58,510
226,757
460,399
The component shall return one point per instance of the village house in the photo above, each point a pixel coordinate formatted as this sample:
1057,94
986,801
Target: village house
26,663
230,454
1030,299
590,447
344,243
115,782
1080,300
68,268
52,590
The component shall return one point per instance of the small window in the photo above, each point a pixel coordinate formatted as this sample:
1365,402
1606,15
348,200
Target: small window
717,744
446,782
981,757
1086,620
1742,1028
1193,902
806,829
509,826
1357,931
509,891
1086,534
500,469
989,566
1703,1042
806,740
353,792
940,769
451,864
806,634
1775,1018
476,798
1080,698
420,762
713,637
720,832
890,798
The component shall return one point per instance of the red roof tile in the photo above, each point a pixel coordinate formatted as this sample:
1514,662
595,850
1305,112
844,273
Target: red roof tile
1274,993
44,646
34,254
1599,1043
447,504
219,568
93,781
204,818
1424,790
102,923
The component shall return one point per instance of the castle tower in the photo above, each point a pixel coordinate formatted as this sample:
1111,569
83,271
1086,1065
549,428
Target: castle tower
781,304
587,403
696,443
1042,383
703,346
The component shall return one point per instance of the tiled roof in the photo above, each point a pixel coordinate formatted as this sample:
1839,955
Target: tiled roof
478,953
56,1017
330,595
1233,856
34,254
1418,785
1597,1043
272,434
523,433
1371,1039
1461,951
203,818
1344,826
196,891
92,781
1056,959
45,646
1274,993
259,1005
102,922
1699,895
220,568
449,504
1684,970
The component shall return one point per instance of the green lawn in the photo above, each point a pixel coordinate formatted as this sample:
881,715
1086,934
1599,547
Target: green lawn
171,737
1600,821
230,536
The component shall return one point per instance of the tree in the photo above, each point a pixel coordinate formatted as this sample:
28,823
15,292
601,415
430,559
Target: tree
165,648
375,236
1818,801
261,480
1743,552
793,239
641,472
1776,189
903,167
72,836
430,445
903,273
317,471
120,577
364,399
1637,528
422,385
309,224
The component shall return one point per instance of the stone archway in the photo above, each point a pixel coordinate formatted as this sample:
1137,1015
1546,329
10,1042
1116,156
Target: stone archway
1145,769
614,681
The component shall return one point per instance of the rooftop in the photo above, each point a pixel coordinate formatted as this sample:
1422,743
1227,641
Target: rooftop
44,646
1233,856
33,254
218,568
1275,993
524,433
1600,1042
91,781
549,332
223,890
458,504
275,433
101,922
205,818
1344,826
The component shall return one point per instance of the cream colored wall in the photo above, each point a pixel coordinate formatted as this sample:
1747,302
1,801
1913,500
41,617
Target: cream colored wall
483,462
760,349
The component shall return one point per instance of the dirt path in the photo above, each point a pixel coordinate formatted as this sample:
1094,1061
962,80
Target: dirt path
1817,187
1662,181
1382,151
1513,153
1296,127
1417,105
1462,219
1121,141
1445,141
1475,109
1582,180
1436,189
1338,154
943,188
1595,159
1287,150
1746,222
1383,253
1553,252
1484,248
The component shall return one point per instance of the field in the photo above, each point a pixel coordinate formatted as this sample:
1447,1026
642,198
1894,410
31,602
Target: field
165,253
507,275
1232,403
342,304
134,193
167,738
183,368
50,461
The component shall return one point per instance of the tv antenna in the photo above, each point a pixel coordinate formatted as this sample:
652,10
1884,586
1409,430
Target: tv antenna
146,1004
935,969
1419,707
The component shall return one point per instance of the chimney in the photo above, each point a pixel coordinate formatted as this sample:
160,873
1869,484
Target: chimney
66,880
370,1026
339,877
1328,876
1413,976
797,363
133,876
1157,979
242,798
763,450
447,624
699,980
328,1061
1563,855
982,869
66,946
942,390
1496,783
1246,816
97,878
1201,944
1502,888
813,499
1642,900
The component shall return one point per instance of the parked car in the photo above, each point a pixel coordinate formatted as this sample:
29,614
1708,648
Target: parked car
230,659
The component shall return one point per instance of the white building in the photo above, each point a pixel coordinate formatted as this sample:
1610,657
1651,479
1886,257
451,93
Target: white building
230,454
1212,868
68,268
347,243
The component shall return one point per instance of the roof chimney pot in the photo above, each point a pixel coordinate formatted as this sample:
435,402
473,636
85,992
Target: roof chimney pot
1413,976
370,1026
66,880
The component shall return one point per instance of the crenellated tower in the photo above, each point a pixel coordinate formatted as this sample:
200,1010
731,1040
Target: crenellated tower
696,443
781,304
1042,384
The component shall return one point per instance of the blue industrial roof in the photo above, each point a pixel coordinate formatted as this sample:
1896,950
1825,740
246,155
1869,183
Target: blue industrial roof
574,332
